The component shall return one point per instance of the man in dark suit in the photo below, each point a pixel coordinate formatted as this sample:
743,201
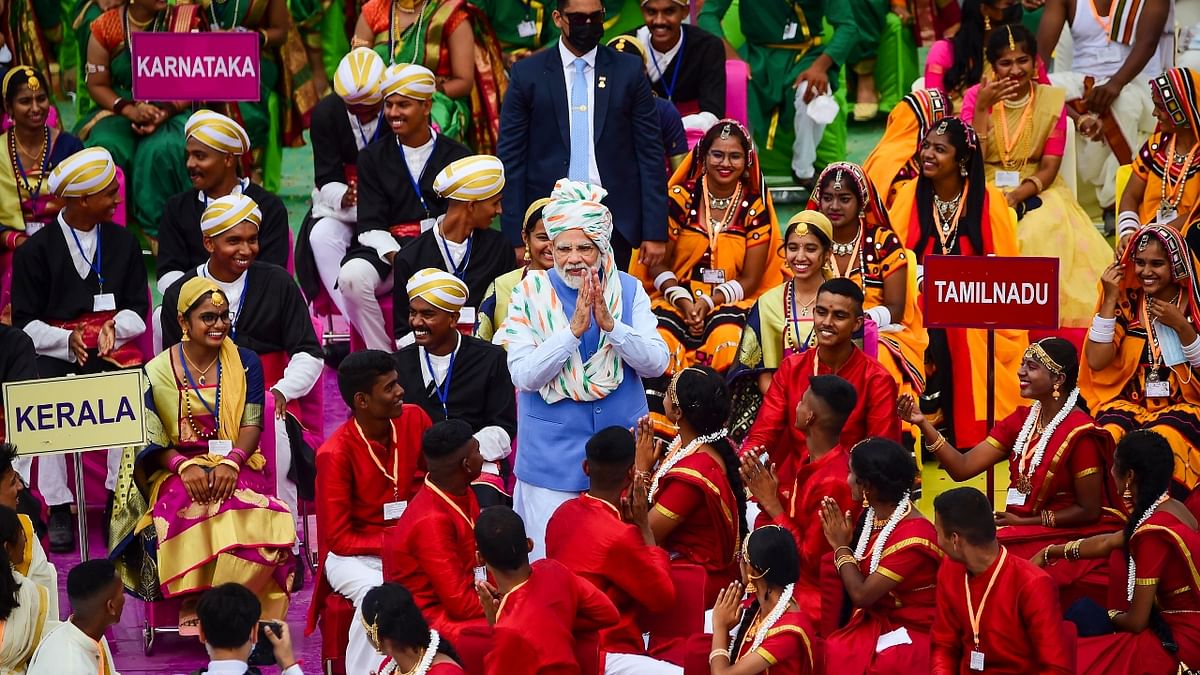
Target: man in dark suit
607,132
686,64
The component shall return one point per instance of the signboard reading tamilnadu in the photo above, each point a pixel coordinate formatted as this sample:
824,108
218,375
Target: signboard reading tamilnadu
991,292
80,412
196,66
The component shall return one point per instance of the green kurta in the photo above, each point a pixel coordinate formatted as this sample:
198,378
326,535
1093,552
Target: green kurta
775,63
887,49
255,117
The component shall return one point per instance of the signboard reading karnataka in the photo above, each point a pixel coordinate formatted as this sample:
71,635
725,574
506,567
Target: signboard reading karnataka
991,292
196,66
80,412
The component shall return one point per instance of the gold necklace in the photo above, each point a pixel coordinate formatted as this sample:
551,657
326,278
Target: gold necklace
203,372
24,150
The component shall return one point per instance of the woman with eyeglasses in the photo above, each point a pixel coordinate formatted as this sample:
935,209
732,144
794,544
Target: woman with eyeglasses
187,502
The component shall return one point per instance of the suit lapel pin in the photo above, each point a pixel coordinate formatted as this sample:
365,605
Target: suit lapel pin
602,82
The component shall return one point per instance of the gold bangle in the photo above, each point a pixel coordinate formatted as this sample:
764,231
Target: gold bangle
937,445
845,560
718,652
186,464
231,464
1037,183
850,550
1112,614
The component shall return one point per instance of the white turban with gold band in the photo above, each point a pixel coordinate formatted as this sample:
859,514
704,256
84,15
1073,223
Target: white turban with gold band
471,179
217,132
440,289
409,80
227,212
83,173
358,77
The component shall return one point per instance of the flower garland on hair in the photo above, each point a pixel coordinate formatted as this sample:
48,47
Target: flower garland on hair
860,551
678,454
1019,447
426,661
1132,580
785,599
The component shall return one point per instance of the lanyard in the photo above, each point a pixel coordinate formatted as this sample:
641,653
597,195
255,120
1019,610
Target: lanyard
457,269
212,409
358,126
454,505
972,615
670,91
443,389
234,313
394,476
415,180
96,263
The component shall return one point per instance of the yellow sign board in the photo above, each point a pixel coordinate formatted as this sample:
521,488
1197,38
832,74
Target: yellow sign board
78,412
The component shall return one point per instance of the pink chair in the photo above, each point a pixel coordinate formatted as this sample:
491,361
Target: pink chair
737,78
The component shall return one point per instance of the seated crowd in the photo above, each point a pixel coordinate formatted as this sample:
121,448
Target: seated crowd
605,410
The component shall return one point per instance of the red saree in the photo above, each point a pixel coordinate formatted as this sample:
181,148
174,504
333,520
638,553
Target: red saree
788,647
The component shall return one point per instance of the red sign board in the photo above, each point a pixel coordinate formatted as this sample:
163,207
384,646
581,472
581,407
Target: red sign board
990,292
196,66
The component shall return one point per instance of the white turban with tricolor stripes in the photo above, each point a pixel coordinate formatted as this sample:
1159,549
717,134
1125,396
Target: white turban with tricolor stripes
409,80
83,173
227,212
440,289
359,76
471,179
217,132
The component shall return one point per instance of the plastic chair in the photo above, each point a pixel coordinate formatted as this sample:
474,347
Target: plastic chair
335,634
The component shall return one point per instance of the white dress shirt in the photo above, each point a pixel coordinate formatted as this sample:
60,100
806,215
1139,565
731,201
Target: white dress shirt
494,442
589,74
167,280
233,667
416,158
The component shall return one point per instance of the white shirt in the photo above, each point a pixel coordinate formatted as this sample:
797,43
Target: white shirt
167,280
458,250
589,74
661,59
363,131
416,158
238,188
233,667
327,199
494,442
66,649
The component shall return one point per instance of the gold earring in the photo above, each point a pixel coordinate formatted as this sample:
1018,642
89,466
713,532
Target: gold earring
185,338
1057,395
751,587
987,24
527,257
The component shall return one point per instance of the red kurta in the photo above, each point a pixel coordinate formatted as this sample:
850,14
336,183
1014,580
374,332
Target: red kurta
431,552
910,558
697,494
539,620
1021,627
814,481
787,648
775,428
588,536
1165,549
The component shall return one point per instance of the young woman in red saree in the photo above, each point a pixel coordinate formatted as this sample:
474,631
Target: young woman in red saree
889,575
1058,462
698,509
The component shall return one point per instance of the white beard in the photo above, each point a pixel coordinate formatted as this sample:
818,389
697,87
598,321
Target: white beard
573,282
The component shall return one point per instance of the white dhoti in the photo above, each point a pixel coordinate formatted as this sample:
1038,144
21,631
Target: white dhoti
328,240
353,577
535,505
360,285
636,664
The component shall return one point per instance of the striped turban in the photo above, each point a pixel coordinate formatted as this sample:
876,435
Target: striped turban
227,212
358,77
471,179
409,80
576,206
217,132
440,289
84,173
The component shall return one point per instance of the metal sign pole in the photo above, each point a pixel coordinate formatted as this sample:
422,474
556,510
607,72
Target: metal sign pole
991,408
81,507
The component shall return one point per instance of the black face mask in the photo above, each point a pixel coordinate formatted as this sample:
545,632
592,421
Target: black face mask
585,36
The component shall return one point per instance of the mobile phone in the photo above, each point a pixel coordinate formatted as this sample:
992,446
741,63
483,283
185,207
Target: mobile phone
264,652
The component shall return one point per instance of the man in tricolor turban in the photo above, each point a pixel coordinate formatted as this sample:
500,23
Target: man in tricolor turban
462,242
80,292
453,375
396,199
343,123
269,317
580,337
216,146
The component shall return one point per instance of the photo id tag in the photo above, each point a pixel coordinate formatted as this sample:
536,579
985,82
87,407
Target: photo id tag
104,302
976,660
220,447
1008,179
1014,498
713,276
526,29
1158,389
1167,216
466,316
427,224
393,510
789,30
481,573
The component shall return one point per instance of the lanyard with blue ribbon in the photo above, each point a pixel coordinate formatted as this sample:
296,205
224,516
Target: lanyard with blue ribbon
358,126
459,270
212,409
95,263
415,180
443,390
678,65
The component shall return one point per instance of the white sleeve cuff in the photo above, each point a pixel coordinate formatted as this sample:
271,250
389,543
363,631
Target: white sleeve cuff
327,203
881,315
167,280
381,240
128,326
301,374
50,340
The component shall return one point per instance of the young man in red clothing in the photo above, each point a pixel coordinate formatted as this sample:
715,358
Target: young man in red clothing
838,314
607,540
995,611
538,611
431,551
366,473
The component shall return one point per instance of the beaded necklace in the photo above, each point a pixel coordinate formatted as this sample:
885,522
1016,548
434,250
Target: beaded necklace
187,400
1169,197
44,162
396,34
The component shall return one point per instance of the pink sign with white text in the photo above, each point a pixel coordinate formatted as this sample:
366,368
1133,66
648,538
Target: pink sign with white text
196,66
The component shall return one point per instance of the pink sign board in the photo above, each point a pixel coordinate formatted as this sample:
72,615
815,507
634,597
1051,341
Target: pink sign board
196,66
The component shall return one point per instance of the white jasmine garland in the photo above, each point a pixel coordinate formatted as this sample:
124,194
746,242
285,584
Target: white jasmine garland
677,455
426,660
1132,580
860,551
785,599
1027,430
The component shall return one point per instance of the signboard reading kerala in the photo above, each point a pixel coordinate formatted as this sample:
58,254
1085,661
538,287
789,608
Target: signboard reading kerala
991,292
80,412
196,66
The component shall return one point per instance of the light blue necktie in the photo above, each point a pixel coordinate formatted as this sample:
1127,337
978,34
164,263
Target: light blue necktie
580,143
